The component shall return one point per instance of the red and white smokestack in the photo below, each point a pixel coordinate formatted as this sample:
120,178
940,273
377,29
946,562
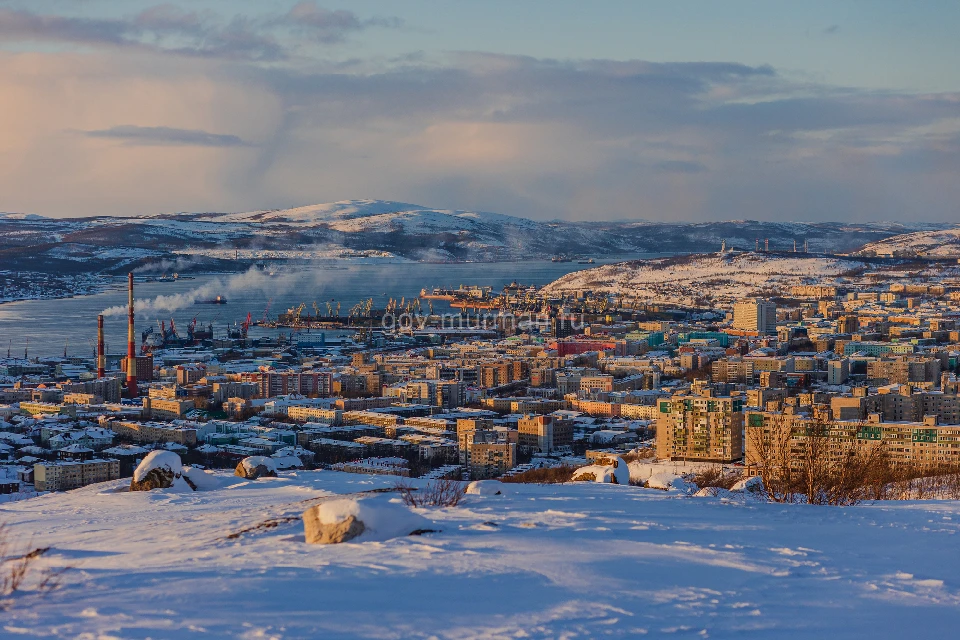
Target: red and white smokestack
101,356
131,343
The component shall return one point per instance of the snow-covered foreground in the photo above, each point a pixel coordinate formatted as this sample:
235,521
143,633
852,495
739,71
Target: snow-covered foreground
573,561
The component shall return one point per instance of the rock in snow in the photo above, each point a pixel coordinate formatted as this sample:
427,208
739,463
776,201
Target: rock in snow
616,473
372,519
159,470
671,482
486,488
753,484
256,467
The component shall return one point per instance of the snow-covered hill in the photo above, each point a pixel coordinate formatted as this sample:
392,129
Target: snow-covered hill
943,243
380,228
706,278
570,561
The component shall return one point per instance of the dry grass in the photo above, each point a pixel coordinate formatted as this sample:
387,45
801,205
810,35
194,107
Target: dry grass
545,475
439,493
715,477
19,571
639,454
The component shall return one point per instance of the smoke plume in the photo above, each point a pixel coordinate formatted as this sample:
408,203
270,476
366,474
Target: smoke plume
251,280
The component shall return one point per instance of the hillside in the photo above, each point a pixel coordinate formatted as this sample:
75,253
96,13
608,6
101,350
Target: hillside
574,561
381,229
943,243
707,278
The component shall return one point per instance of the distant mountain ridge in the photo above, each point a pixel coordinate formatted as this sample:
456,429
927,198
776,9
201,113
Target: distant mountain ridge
379,228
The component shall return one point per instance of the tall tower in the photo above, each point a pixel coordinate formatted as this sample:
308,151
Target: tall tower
101,356
131,343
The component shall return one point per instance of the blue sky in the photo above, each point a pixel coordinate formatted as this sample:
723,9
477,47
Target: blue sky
687,111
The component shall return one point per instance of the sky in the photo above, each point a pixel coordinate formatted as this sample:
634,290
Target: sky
692,111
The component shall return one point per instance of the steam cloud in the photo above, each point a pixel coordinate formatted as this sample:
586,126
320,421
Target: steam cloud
251,280
167,266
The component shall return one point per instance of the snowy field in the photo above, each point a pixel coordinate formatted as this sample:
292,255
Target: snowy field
571,561
939,243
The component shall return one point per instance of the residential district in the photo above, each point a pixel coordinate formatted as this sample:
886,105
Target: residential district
872,363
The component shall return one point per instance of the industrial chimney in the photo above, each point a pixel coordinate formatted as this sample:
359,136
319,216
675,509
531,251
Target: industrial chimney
101,356
131,344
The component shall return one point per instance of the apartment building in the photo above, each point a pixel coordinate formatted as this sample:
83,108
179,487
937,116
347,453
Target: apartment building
755,315
280,383
700,428
157,432
107,388
166,408
308,414
48,408
924,443
591,384
544,433
64,475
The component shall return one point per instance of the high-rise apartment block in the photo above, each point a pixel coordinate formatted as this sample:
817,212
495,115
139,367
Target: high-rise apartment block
755,315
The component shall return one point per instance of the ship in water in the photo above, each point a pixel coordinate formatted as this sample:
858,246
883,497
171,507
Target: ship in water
561,258
217,300
585,261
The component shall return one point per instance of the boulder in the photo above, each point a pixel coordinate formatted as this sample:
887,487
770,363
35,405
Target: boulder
318,532
611,471
153,479
159,470
256,467
371,519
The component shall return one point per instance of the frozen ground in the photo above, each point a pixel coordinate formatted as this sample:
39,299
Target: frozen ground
572,561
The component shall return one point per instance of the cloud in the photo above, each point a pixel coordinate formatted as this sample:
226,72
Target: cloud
167,136
169,29
679,166
24,26
330,26
546,138
831,30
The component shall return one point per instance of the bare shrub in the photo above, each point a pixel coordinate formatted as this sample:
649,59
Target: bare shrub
19,571
716,477
808,463
544,475
438,493
769,456
924,482
647,453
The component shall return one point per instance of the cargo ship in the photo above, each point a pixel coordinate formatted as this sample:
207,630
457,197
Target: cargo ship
217,300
